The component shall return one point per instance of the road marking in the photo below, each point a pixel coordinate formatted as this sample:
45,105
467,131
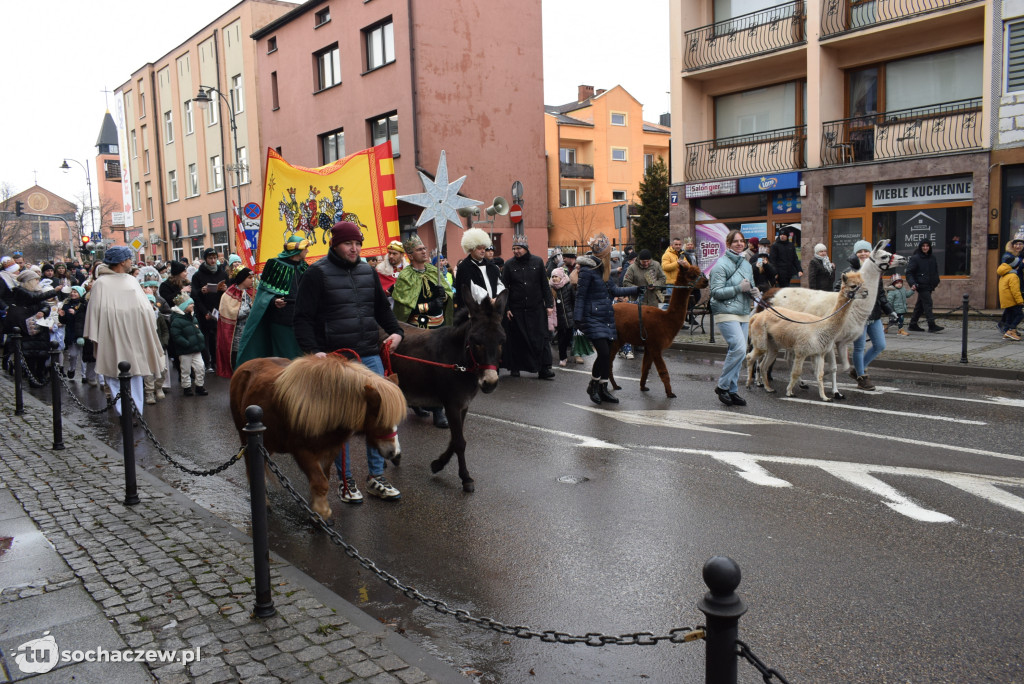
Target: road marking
880,389
906,414
584,440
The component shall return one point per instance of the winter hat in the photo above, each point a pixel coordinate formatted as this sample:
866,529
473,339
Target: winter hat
473,238
241,276
79,289
47,267
861,244
753,242
182,301
118,254
520,241
177,268
644,255
27,275
345,231
234,258
208,252
821,247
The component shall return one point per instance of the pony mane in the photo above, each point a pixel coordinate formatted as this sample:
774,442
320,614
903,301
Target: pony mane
321,395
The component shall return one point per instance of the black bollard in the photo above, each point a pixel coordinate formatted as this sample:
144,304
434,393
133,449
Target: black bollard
963,340
711,319
19,379
131,489
723,608
254,428
58,425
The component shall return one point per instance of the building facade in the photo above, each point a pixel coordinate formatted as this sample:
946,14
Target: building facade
107,172
48,229
597,149
340,76
841,121
181,168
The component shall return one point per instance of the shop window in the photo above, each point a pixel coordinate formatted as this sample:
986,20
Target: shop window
736,206
846,196
1012,225
949,230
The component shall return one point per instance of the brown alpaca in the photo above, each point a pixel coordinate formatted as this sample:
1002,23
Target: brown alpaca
660,327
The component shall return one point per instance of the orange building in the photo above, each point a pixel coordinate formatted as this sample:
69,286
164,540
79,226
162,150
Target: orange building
598,149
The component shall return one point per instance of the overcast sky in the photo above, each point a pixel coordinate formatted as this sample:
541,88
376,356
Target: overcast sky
57,63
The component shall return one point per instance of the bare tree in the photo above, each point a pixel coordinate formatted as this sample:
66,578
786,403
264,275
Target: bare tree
14,232
583,217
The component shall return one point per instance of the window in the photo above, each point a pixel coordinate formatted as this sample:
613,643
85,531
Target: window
216,173
168,127
567,155
138,195
618,195
618,154
142,99
271,44
134,145
220,238
172,186
383,129
756,111
648,161
586,197
328,65
145,154
149,201
237,100
618,119
112,169
332,146
189,122
380,44
193,180
322,17
276,104
242,161
919,81
145,151
213,109
567,198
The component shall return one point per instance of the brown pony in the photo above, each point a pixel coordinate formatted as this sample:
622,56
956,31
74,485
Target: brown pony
659,327
311,406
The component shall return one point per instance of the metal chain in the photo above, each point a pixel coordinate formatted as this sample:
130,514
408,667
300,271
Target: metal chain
678,635
32,378
74,397
767,673
163,452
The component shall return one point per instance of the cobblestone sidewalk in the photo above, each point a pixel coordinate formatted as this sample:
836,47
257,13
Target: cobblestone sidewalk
168,576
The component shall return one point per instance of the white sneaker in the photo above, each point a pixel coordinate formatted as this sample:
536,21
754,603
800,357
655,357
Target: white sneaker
379,486
629,356
353,496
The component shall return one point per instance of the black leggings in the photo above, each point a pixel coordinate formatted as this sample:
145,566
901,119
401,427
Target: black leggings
603,362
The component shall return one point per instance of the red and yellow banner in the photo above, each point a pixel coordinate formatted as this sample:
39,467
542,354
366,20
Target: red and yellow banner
359,188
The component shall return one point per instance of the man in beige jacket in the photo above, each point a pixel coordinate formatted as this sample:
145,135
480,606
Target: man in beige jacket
121,322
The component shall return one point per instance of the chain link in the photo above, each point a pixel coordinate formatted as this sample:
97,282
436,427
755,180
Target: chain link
33,380
163,452
767,673
678,635
95,412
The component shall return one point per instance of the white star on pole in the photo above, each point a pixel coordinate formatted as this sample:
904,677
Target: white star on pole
440,200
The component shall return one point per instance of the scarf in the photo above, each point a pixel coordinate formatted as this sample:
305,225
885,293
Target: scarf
829,266
213,269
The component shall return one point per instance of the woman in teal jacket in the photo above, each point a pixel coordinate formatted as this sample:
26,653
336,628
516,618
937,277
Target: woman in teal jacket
731,287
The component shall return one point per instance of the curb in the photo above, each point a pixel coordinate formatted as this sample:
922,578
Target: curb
963,369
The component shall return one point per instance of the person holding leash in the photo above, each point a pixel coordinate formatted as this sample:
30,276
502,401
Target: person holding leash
731,286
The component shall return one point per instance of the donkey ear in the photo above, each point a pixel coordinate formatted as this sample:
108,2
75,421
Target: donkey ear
499,303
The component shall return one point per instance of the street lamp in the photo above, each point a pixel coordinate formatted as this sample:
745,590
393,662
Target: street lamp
203,99
88,184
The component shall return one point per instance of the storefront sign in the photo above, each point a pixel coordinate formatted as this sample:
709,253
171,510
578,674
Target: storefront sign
778,181
711,188
752,230
218,222
710,240
674,198
928,191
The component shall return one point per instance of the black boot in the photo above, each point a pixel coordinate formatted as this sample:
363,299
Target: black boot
607,396
594,391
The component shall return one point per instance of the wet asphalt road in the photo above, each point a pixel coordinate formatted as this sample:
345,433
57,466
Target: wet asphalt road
880,538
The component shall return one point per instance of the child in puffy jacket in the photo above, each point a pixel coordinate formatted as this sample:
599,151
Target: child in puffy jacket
189,343
898,295
72,317
1011,300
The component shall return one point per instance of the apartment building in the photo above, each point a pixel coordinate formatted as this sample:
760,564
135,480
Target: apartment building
181,166
598,148
840,121
339,76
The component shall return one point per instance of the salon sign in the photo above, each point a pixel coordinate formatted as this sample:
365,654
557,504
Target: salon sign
931,191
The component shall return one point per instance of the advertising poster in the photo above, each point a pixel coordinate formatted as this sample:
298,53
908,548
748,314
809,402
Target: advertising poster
711,236
914,226
758,230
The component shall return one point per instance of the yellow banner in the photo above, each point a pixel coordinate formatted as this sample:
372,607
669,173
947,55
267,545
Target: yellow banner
359,188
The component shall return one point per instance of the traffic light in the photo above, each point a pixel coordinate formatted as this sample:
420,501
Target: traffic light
85,243
19,207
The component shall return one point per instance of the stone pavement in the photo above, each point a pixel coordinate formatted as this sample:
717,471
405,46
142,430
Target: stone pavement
82,572
988,354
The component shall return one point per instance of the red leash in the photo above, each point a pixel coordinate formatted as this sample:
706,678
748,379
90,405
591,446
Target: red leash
386,354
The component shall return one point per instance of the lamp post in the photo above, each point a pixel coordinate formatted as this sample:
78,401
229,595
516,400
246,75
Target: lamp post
88,185
203,99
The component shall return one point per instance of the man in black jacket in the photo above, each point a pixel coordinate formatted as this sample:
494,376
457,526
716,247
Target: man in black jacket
208,283
526,323
339,305
923,277
783,257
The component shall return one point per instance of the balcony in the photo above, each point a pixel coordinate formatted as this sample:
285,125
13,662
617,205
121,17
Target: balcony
921,131
573,170
747,155
842,16
757,33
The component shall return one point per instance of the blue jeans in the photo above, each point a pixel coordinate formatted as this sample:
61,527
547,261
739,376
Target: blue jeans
374,461
861,360
735,335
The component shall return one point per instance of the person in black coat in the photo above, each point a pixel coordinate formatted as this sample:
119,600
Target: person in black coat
783,257
765,277
526,321
923,278
821,273
208,283
594,315
476,270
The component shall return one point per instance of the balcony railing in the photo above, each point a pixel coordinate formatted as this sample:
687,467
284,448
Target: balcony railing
573,170
921,131
757,33
747,155
840,16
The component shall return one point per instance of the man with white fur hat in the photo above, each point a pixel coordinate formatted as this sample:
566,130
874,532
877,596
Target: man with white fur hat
119,319
476,277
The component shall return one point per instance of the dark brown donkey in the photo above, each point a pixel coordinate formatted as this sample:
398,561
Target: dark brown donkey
447,366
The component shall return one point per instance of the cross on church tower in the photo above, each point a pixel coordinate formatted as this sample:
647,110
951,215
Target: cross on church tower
106,100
